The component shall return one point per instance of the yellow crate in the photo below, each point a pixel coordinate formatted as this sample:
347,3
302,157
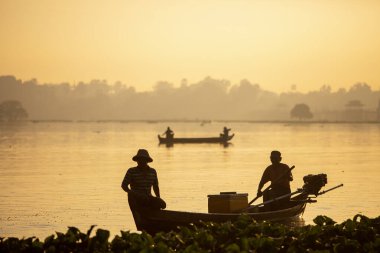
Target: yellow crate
227,202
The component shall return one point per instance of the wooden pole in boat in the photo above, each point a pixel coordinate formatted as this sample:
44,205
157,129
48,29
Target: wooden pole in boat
300,190
274,182
333,188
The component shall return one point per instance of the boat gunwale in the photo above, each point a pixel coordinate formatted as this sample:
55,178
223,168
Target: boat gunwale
164,220
229,214
196,139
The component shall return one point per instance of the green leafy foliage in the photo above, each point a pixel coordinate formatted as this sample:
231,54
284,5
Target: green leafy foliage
360,234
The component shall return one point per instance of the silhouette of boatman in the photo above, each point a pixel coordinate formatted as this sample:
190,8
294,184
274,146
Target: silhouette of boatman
169,133
140,180
280,181
226,131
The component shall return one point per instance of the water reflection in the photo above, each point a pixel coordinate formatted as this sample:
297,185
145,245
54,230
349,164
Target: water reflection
294,222
70,175
168,145
227,144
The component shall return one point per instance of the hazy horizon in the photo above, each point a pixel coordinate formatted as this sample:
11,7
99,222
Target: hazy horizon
277,44
209,98
178,83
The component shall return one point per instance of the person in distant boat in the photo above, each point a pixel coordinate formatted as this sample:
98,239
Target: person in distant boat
169,133
280,175
226,132
140,180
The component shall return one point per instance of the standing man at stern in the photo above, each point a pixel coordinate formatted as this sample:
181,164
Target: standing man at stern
140,180
280,176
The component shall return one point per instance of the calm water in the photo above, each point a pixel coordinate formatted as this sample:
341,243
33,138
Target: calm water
54,175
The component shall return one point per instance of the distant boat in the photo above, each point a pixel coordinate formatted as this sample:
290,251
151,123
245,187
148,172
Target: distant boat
220,139
205,122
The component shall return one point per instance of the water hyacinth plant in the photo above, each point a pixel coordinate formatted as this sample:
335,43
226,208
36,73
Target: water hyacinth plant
360,234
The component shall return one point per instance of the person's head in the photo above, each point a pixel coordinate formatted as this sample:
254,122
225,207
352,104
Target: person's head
142,157
275,157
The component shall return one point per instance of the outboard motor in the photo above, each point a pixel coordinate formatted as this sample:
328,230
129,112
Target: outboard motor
314,183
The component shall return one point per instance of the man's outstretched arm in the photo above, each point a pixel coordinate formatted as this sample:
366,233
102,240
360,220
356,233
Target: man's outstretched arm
264,180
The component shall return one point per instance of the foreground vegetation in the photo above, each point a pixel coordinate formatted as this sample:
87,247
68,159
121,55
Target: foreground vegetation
360,234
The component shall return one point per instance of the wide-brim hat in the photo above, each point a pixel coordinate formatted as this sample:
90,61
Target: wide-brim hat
275,153
142,153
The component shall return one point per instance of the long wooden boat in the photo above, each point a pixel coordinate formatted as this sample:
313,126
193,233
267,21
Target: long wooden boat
219,139
153,221
156,220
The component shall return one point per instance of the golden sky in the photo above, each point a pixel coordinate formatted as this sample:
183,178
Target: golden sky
276,44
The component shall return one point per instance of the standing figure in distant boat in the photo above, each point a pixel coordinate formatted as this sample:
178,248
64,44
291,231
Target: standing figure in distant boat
225,132
280,176
169,133
139,181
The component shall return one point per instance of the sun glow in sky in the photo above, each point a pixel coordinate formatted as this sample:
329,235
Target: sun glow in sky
275,43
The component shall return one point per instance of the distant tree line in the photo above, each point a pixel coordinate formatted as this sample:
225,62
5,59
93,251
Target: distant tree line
301,111
12,110
208,99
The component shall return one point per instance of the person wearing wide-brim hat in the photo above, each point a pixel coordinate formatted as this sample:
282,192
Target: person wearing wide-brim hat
140,180
142,154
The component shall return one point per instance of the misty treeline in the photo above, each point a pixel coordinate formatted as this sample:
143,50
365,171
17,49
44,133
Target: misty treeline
208,99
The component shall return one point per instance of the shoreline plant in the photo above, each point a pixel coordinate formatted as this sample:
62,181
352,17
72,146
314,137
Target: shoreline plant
360,234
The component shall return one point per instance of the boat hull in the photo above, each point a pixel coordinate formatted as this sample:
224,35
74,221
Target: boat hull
153,221
163,140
